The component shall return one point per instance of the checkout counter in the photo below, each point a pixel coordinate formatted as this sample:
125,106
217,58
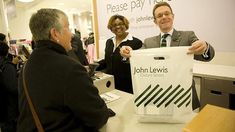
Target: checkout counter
216,84
126,120
122,104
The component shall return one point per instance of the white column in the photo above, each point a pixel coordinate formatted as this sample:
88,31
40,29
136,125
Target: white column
4,19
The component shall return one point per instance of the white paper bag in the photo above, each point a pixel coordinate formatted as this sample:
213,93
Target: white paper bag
162,79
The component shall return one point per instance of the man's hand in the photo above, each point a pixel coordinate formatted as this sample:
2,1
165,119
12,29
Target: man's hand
125,51
198,47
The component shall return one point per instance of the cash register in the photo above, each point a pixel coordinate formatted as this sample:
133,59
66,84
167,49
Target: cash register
104,82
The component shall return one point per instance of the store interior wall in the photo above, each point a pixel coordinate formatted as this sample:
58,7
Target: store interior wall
81,10
211,21
18,26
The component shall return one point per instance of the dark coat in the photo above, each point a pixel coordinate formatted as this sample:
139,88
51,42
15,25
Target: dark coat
8,91
78,51
63,95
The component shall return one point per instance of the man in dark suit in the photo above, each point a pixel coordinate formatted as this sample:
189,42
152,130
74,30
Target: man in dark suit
163,18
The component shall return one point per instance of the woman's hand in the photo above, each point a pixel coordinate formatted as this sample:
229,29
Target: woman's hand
125,51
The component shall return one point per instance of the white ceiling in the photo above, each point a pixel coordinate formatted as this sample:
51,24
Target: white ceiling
73,5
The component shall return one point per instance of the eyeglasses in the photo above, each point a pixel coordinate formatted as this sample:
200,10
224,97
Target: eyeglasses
160,15
118,25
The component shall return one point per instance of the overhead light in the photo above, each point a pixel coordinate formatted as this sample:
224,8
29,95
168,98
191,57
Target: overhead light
26,1
61,4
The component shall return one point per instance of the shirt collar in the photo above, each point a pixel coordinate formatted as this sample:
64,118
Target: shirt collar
128,37
170,32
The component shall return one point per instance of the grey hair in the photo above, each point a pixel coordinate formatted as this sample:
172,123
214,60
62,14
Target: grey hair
43,21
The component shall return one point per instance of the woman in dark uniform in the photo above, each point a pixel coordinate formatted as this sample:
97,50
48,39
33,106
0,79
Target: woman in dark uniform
113,62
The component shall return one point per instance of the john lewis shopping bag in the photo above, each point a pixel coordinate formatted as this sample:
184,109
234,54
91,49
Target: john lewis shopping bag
162,79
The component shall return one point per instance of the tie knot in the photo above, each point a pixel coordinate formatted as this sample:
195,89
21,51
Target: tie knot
164,43
165,35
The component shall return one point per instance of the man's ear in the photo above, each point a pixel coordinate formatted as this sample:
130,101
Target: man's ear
53,34
173,15
155,21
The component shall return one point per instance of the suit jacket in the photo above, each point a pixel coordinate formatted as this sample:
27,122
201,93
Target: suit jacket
179,38
63,94
182,38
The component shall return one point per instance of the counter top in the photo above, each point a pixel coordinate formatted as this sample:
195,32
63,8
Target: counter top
125,119
214,71
212,119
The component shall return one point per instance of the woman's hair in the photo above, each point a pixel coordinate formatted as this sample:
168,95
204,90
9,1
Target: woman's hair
43,21
2,37
159,5
114,17
3,48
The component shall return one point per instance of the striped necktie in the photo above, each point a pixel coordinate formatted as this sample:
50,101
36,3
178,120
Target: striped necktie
163,43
